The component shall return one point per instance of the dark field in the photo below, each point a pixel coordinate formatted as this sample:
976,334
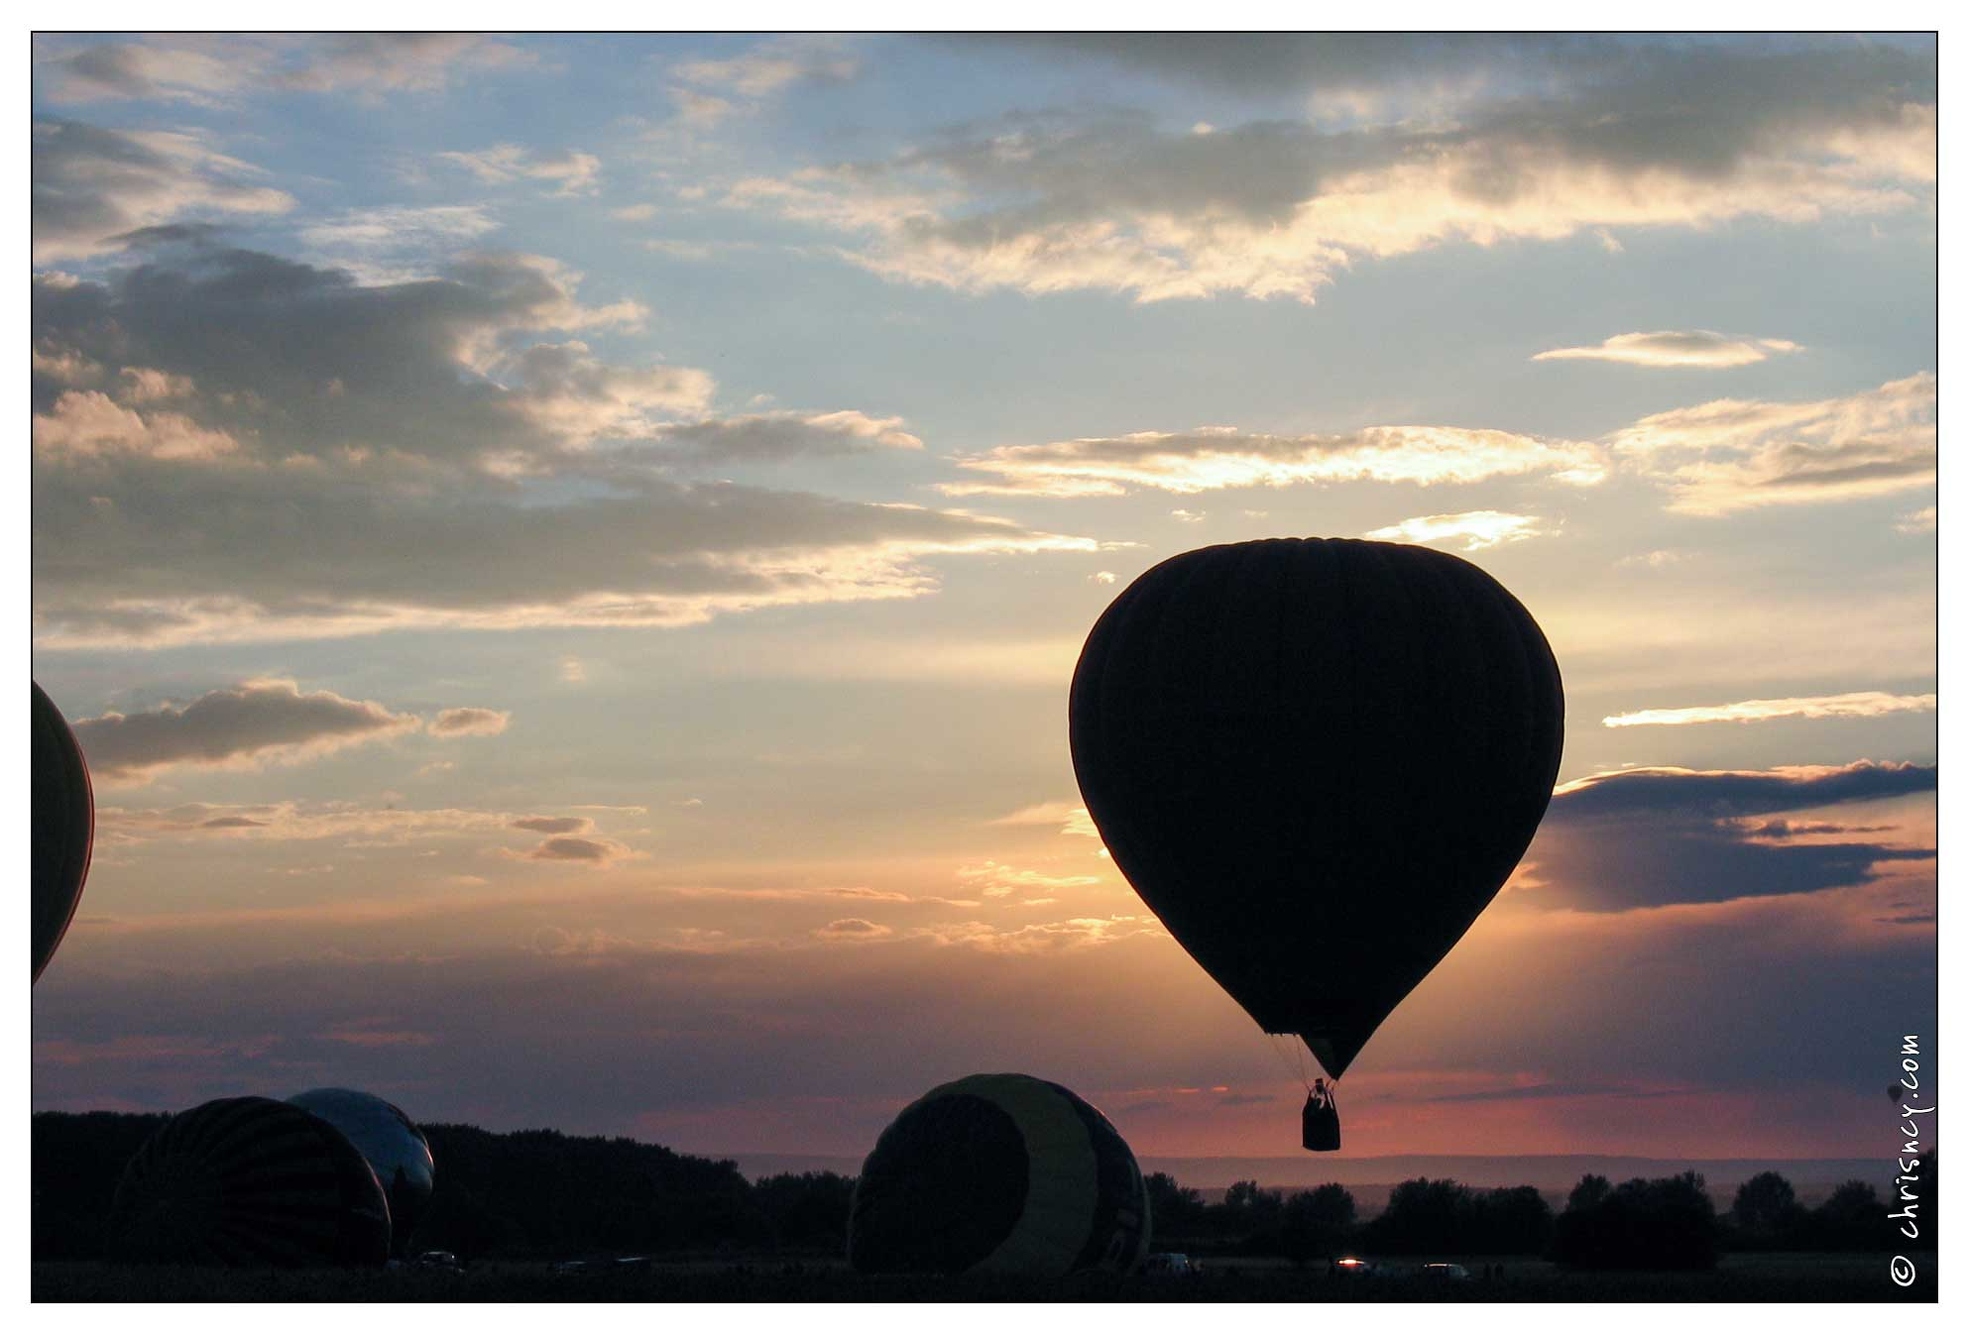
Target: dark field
1739,1278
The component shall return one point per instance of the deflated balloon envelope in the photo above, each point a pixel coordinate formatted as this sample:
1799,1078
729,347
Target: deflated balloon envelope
249,1181
394,1147
1317,761
998,1172
64,828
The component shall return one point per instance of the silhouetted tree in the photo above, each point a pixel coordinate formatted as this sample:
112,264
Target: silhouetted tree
1174,1210
1668,1223
77,1160
1589,1192
808,1210
1249,1199
1317,1222
1445,1217
1766,1213
1851,1219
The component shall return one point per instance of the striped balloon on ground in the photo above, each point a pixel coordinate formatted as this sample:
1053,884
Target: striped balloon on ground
249,1181
998,1173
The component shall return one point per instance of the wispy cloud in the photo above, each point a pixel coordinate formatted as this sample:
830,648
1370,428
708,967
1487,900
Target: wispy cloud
1069,817
1857,704
706,92
570,171
996,880
1733,454
1478,528
93,187
488,473
1215,457
470,721
218,70
1649,134
1674,348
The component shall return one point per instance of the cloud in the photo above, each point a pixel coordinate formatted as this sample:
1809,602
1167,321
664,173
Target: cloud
996,880
1101,577
266,721
470,722
1731,454
426,415
775,436
1215,457
853,928
1857,704
1712,458
1482,528
1644,838
1919,521
1698,347
370,237
1070,817
572,172
290,821
706,92
217,70
1661,133
1073,934
555,824
568,393
596,852
1356,69
372,63
87,424
95,186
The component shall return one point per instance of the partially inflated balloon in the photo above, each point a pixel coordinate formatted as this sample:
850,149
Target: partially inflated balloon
998,1173
64,828
1317,762
394,1147
249,1181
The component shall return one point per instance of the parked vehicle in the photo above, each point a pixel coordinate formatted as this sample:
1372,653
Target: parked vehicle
1169,1262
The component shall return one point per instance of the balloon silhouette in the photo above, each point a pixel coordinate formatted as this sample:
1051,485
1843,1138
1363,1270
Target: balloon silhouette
1317,761
1001,1173
390,1142
64,828
249,1181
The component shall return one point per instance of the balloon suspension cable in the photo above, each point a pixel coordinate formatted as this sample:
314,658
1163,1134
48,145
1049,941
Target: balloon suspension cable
1292,1054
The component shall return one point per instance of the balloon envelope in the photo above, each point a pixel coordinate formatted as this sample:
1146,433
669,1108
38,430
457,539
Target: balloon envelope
1317,761
389,1141
64,828
998,1172
249,1181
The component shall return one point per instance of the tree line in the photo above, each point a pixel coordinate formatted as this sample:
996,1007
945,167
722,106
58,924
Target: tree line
540,1194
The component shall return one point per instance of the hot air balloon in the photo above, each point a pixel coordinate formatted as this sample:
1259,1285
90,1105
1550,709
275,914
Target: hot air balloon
390,1142
998,1173
1316,761
64,828
249,1181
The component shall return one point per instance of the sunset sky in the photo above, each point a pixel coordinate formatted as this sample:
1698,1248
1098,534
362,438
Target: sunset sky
565,556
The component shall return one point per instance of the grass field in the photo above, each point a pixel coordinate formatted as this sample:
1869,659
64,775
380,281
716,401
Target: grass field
1740,1278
